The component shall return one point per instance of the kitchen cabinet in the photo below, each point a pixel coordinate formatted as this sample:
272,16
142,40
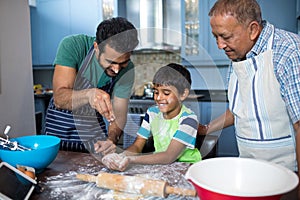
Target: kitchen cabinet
41,103
185,24
40,108
298,9
227,145
216,54
51,20
199,46
281,14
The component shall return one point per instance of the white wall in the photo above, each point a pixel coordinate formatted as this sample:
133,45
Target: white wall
16,82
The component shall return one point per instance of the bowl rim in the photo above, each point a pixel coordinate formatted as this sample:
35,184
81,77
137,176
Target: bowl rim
38,136
6,153
294,178
25,136
55,138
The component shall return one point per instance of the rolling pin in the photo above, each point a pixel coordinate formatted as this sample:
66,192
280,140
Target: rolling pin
134,184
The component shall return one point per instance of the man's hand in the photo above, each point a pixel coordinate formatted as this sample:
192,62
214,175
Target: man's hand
105,147
100,100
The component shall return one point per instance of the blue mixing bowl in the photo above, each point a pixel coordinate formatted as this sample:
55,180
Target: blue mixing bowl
44,149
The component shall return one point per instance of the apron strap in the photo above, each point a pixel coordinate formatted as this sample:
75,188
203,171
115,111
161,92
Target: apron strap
86,60
271,39
84,83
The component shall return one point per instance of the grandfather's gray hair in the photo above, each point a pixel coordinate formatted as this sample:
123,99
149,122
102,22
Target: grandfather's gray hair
245,11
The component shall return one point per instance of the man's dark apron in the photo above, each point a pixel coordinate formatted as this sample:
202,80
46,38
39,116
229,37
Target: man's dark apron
81,128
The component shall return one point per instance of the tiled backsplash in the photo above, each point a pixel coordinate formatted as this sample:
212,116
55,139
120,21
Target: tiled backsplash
147,63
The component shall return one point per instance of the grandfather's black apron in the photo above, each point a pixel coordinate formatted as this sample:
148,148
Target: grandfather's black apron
81,128
263,127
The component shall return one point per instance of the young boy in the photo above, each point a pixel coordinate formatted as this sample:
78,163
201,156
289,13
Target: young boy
172,125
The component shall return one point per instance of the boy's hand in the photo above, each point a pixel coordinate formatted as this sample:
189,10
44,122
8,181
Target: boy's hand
116,161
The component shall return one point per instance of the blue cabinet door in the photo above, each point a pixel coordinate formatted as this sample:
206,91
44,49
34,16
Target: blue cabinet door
207,52
280,13
218,55
85,16
227,145
52,20
298,9
53,23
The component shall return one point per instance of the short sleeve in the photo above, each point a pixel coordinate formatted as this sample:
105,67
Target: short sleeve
145,131
187,129
72,50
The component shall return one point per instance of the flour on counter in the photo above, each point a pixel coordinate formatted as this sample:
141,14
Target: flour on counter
67,186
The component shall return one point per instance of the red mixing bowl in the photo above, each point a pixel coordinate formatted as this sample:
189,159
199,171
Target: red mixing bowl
232,178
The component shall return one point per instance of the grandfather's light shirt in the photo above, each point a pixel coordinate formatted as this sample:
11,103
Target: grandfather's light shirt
286,61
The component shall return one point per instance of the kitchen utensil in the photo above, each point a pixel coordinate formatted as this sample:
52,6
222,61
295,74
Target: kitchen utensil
7,129
134,184
44,149
7,144
240,179
148,90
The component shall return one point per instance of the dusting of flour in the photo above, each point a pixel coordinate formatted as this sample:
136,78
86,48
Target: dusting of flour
66,186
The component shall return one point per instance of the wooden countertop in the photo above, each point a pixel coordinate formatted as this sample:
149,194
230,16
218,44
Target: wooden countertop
58,181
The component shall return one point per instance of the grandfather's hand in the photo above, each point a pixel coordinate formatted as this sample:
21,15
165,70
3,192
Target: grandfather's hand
202,129
105,147
116,161
100,100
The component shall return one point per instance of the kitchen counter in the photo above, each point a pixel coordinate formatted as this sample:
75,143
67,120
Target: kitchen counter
199,95
210,95
59,181
195,95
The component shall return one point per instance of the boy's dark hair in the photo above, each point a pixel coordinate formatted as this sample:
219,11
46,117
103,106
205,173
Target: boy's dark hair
173,75
119,33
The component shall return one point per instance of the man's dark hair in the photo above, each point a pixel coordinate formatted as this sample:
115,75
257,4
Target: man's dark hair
173,75
118,33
